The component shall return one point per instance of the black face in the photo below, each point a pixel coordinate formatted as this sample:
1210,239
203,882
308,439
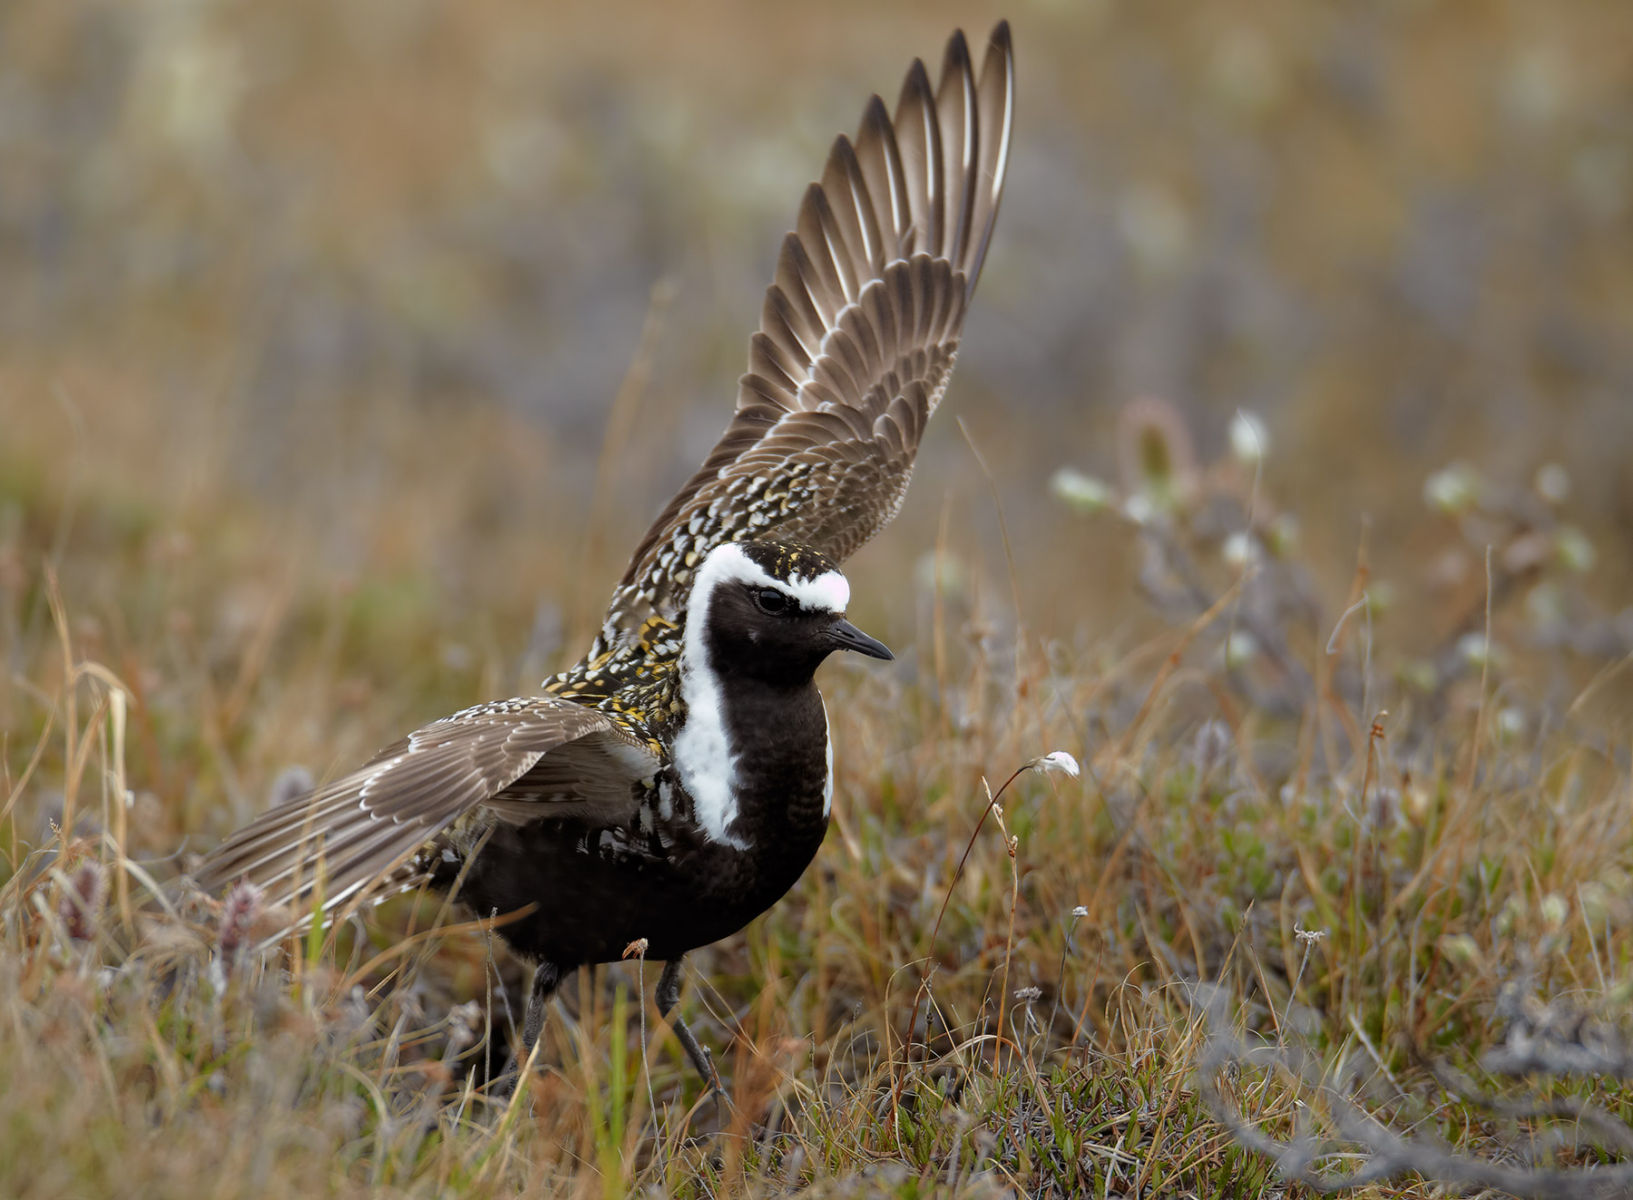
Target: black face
762,632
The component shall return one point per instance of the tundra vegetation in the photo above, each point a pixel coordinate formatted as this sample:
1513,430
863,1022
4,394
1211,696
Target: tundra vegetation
345,354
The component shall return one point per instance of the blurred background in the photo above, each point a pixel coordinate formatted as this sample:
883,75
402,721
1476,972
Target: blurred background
382,329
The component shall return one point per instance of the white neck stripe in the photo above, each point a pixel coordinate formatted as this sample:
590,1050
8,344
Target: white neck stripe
703,755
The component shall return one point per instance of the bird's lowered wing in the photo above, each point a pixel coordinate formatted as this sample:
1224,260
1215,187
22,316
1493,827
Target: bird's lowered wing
526,758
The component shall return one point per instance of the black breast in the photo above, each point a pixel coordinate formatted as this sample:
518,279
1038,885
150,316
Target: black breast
595,888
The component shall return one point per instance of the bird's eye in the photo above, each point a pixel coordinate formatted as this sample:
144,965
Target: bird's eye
770,600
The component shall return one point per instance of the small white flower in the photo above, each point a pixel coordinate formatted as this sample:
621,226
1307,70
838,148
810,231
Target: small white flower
1059,760
1239,650
1453,489
1476,649
1282,535
1240,550
1554,910
1081,911
1082,492
1574,549
1553,483
1139,509
1308,936
1460,948
1249,440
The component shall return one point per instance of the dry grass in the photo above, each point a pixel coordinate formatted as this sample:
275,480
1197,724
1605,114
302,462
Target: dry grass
940,1004
309,345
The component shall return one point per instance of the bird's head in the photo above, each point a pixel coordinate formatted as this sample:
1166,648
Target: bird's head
772,611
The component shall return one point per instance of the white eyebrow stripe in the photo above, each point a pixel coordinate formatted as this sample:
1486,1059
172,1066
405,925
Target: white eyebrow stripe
828,592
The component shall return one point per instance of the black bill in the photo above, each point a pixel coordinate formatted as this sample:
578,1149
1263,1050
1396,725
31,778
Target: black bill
848,637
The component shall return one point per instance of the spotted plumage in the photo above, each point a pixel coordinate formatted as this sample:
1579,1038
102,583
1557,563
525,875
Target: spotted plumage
676,782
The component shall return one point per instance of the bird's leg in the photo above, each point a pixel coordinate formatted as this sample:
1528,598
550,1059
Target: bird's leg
666,997
547,977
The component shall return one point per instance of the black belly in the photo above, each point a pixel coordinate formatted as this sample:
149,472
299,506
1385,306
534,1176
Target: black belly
593,891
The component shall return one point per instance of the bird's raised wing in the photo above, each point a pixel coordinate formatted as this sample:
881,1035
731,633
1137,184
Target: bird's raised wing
525,758
857,336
